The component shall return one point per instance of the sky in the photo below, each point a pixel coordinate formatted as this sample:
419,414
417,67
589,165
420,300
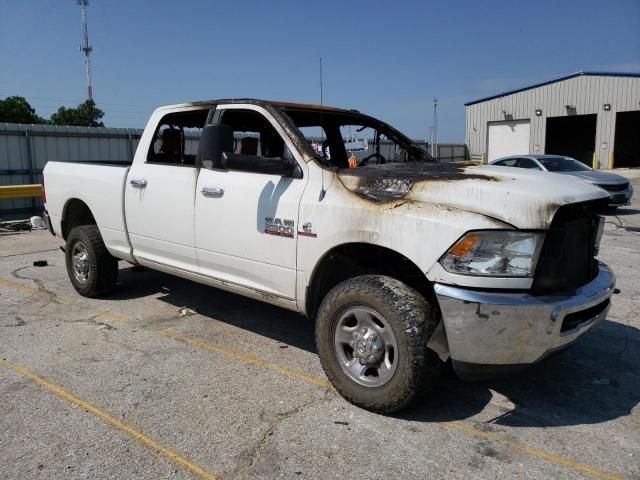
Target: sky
388,59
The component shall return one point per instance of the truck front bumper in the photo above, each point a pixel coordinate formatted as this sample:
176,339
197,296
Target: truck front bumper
491,333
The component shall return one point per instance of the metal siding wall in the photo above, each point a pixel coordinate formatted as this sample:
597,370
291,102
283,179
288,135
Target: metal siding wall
42,143
587,92
15,149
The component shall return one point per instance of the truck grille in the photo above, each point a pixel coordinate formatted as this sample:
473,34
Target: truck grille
615,188
567,258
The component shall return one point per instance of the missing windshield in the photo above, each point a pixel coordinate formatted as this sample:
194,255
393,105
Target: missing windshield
352,140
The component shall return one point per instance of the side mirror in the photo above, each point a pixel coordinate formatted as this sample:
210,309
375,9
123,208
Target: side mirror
214,140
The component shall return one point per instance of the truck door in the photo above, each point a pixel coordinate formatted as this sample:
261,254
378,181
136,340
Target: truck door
160,189
247,222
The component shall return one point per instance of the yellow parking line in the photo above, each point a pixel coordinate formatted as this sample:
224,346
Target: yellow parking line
18,285
457,426
534,452
65,301
109,316
246,358
137,435
191,340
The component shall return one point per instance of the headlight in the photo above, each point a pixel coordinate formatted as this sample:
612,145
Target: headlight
500,253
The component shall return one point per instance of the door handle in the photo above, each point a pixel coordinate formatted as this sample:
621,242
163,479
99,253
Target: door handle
138,182
212,192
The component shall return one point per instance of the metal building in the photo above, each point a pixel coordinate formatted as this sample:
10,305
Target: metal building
591,116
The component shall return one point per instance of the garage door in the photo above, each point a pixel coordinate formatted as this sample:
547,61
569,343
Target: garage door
508,138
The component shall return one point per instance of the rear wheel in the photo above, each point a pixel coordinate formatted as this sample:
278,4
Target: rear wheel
371,334
91,268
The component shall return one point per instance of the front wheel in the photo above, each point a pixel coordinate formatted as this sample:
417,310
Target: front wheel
91,268
371,334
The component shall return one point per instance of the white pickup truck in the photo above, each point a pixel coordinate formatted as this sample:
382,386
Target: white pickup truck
403,262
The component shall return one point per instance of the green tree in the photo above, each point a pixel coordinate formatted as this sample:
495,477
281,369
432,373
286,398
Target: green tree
84,115
17,110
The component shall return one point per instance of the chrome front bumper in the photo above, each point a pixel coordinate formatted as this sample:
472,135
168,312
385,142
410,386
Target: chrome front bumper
489,333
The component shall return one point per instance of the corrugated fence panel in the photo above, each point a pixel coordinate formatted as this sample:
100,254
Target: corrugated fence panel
25,149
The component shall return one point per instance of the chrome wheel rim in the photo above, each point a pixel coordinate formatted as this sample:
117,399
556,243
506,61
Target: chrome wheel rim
80,262
365,346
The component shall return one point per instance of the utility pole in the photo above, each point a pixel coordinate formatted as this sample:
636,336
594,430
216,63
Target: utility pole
85,47
434,144
430,140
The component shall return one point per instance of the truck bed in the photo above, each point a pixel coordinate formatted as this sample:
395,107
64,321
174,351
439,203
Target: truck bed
100,186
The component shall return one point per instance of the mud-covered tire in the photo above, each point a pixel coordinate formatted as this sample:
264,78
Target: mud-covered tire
412,321
91,268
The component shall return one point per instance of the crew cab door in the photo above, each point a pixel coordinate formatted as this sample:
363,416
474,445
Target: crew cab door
247,222
160,189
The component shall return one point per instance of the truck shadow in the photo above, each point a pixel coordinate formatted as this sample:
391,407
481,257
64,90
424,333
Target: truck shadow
595,381
279,324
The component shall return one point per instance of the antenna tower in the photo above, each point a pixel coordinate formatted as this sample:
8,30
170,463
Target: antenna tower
85,47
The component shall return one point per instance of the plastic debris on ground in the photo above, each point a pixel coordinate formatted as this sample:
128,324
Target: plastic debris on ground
37,223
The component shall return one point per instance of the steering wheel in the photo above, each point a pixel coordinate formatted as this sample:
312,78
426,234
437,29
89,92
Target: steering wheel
379,159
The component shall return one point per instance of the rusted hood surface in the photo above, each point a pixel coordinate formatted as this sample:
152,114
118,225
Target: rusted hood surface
522,198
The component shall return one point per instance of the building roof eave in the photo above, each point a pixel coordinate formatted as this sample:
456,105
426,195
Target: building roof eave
566,77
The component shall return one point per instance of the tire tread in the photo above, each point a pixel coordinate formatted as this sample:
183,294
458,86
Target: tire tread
104,267
418,321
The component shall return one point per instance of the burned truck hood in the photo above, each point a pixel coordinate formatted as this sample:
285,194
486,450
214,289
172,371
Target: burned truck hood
522,198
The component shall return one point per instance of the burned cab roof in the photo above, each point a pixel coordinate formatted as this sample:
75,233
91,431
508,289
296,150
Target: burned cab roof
274,103
292,116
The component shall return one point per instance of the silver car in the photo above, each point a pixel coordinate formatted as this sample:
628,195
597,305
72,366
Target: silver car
619,189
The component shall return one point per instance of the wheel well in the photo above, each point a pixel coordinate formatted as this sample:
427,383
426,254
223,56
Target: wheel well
75,213
354,259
